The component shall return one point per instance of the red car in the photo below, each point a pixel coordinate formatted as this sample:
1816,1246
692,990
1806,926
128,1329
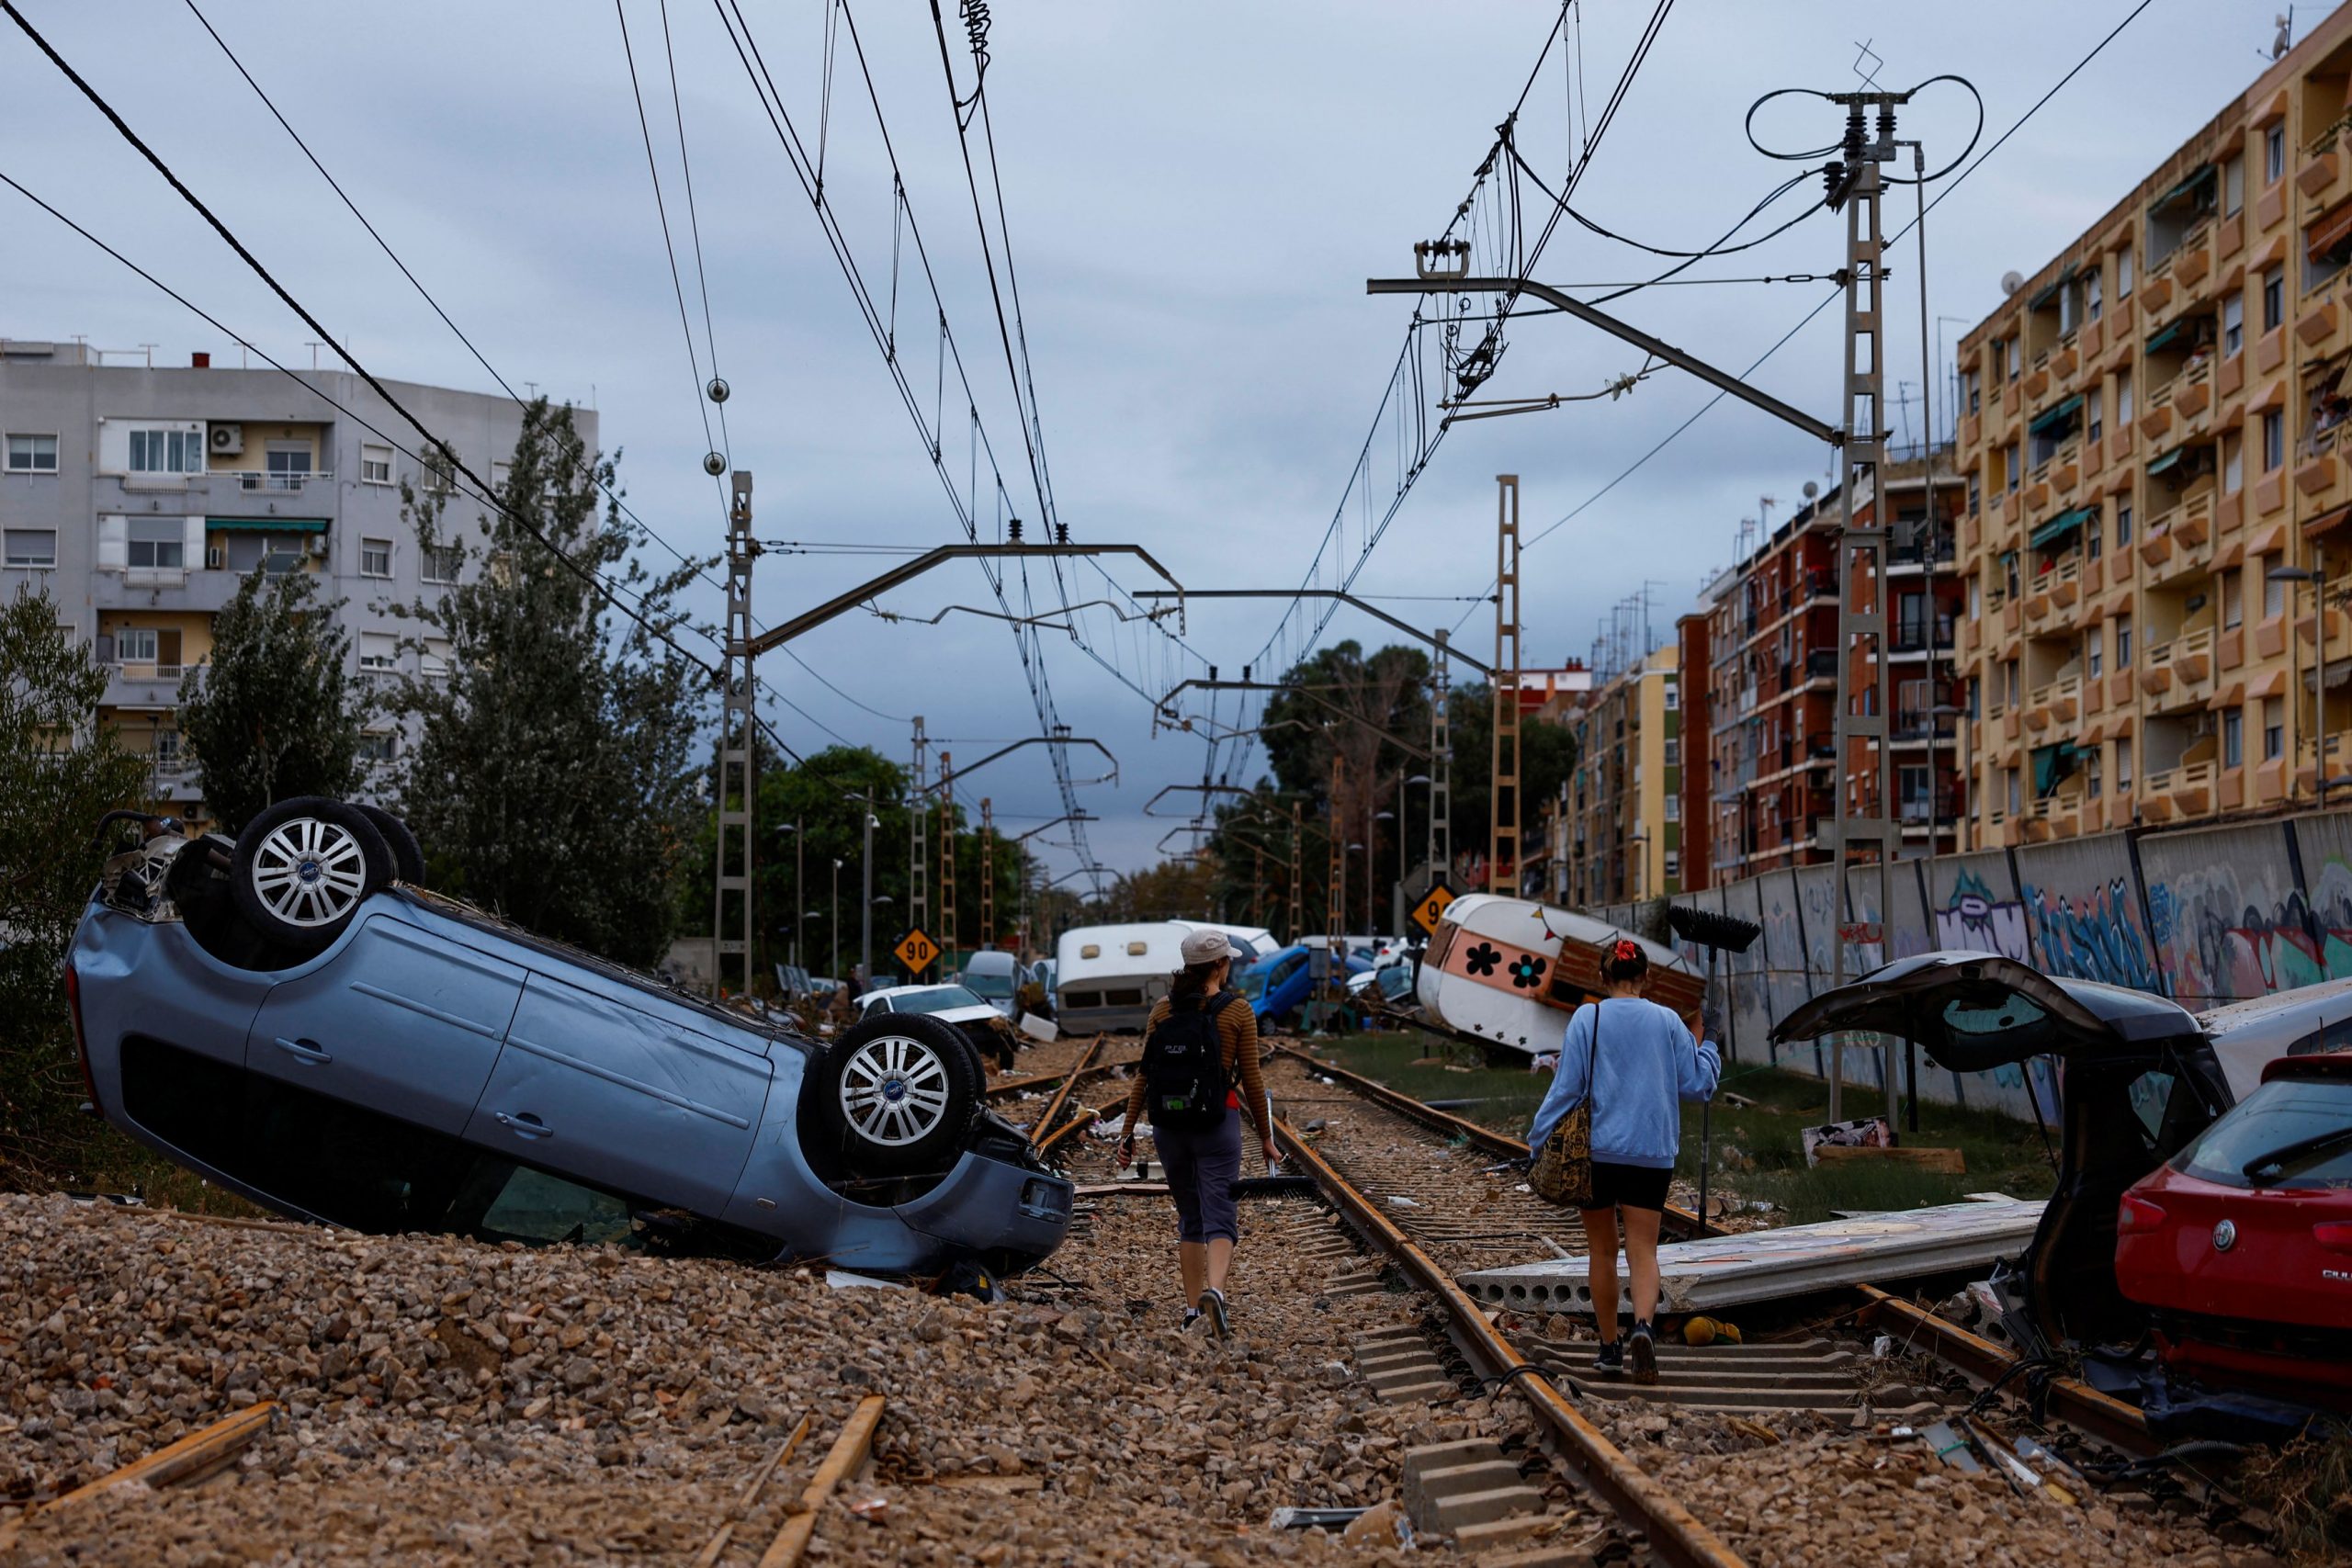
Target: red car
2241,1243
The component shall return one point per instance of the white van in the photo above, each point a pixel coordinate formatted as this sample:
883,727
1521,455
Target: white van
995,976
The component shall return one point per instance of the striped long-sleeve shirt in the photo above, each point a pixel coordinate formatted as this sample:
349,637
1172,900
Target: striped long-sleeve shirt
1236,1031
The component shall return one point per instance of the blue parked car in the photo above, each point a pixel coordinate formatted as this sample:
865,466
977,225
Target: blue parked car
288,1016
1282,982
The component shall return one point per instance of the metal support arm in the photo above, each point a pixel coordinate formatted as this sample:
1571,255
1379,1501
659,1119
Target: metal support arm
966,772
907,571
1344,598
1723,380
1204,684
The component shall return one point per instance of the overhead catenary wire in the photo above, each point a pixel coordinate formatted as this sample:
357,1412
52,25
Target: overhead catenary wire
644,528
1806,320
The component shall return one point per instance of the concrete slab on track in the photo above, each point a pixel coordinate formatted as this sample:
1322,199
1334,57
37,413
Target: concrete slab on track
1718,1272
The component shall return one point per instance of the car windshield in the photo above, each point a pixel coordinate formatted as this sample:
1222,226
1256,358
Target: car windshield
998,985
936,999
2288,1132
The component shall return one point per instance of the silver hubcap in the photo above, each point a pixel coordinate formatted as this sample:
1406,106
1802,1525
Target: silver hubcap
894,1090
309,873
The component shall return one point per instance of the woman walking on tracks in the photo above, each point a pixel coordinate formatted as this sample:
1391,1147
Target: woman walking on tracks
1200,1072
1635,1061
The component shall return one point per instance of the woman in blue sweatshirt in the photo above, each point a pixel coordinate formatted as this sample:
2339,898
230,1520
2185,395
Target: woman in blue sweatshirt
1644,1061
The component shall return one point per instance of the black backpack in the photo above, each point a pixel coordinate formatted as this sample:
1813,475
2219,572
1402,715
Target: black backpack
1185,1079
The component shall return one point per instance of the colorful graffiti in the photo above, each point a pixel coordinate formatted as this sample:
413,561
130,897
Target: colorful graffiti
2221,945
2095,937
1973,919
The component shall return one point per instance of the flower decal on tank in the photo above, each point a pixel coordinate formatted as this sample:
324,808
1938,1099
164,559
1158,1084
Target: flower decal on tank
1481,959
1527,971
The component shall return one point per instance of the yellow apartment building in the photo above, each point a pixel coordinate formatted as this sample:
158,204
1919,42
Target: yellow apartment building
2156,489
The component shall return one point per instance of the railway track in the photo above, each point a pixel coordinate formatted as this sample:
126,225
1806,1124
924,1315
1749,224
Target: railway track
1432,1195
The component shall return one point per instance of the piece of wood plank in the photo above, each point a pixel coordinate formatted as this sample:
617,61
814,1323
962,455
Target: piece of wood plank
848,1452
1950,1162
199,1453
717,1546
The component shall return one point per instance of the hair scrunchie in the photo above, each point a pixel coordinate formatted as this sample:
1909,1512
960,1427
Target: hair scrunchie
1625,951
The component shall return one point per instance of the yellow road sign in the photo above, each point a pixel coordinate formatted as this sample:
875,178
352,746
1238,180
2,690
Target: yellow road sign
1427,912
916,950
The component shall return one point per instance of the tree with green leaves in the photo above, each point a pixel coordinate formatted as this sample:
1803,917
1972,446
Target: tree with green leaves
1547,759
58,770
273,712
555,777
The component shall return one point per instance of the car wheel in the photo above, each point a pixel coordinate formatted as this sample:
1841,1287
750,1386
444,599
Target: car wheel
301,869
901,1090
408,856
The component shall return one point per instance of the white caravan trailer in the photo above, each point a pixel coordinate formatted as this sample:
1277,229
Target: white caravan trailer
1108,976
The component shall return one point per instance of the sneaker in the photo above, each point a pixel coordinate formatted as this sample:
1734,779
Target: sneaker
1610,1361
1193,1318
1213,1304
1641,1353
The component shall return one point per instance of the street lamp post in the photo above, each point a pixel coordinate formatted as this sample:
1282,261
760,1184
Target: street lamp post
834,919
794,828
1424,780
866,921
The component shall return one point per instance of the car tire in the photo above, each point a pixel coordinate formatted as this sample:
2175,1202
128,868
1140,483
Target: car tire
302,868
897,1094
408,856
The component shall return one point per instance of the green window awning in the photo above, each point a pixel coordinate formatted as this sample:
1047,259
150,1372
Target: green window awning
2157,340
2049,290
267,524
2058,528
2169,461
2197,184
2050,420
2052,763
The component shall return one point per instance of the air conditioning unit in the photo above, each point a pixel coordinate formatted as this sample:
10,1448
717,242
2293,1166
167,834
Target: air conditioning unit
214,559
226,440
319,545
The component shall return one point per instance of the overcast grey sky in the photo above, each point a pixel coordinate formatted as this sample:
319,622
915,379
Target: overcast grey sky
1196,195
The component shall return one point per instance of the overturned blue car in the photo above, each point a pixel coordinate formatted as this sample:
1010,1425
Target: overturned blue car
287,1014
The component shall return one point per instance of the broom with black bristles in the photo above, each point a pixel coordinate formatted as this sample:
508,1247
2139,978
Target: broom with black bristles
1718,934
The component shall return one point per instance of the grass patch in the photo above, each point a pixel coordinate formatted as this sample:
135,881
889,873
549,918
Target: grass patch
1759,1151
1505,1098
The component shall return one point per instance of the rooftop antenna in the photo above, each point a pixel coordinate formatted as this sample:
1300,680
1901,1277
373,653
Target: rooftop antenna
2286,38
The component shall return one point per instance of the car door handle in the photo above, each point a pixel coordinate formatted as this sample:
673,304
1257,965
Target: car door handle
303,1050
526,1124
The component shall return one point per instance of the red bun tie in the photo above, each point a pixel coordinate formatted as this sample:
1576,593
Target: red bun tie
1626,950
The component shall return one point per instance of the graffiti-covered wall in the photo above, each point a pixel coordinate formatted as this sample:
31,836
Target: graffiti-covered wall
2206,916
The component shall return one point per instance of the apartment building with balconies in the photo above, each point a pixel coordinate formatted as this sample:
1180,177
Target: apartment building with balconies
2150,428
1623,807
139,496
1926,595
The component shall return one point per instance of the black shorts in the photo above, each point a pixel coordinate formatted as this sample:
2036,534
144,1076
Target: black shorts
1629,1186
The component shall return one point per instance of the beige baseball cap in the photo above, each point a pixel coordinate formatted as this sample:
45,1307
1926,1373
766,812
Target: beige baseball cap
1206,947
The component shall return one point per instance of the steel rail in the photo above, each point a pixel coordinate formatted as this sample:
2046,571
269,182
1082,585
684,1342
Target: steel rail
1645,1507
2070,1399
1681,1223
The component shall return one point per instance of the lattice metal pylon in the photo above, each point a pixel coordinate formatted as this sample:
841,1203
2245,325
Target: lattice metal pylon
988,872
1298,879
1503,844
918,851
738,781
1335,892
1442,775
1861,562
947,858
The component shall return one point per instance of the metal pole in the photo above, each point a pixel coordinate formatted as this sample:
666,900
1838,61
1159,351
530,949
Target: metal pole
738,777
799,889
919,848
988,872
1503,793
1442,751
947,858
833,919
